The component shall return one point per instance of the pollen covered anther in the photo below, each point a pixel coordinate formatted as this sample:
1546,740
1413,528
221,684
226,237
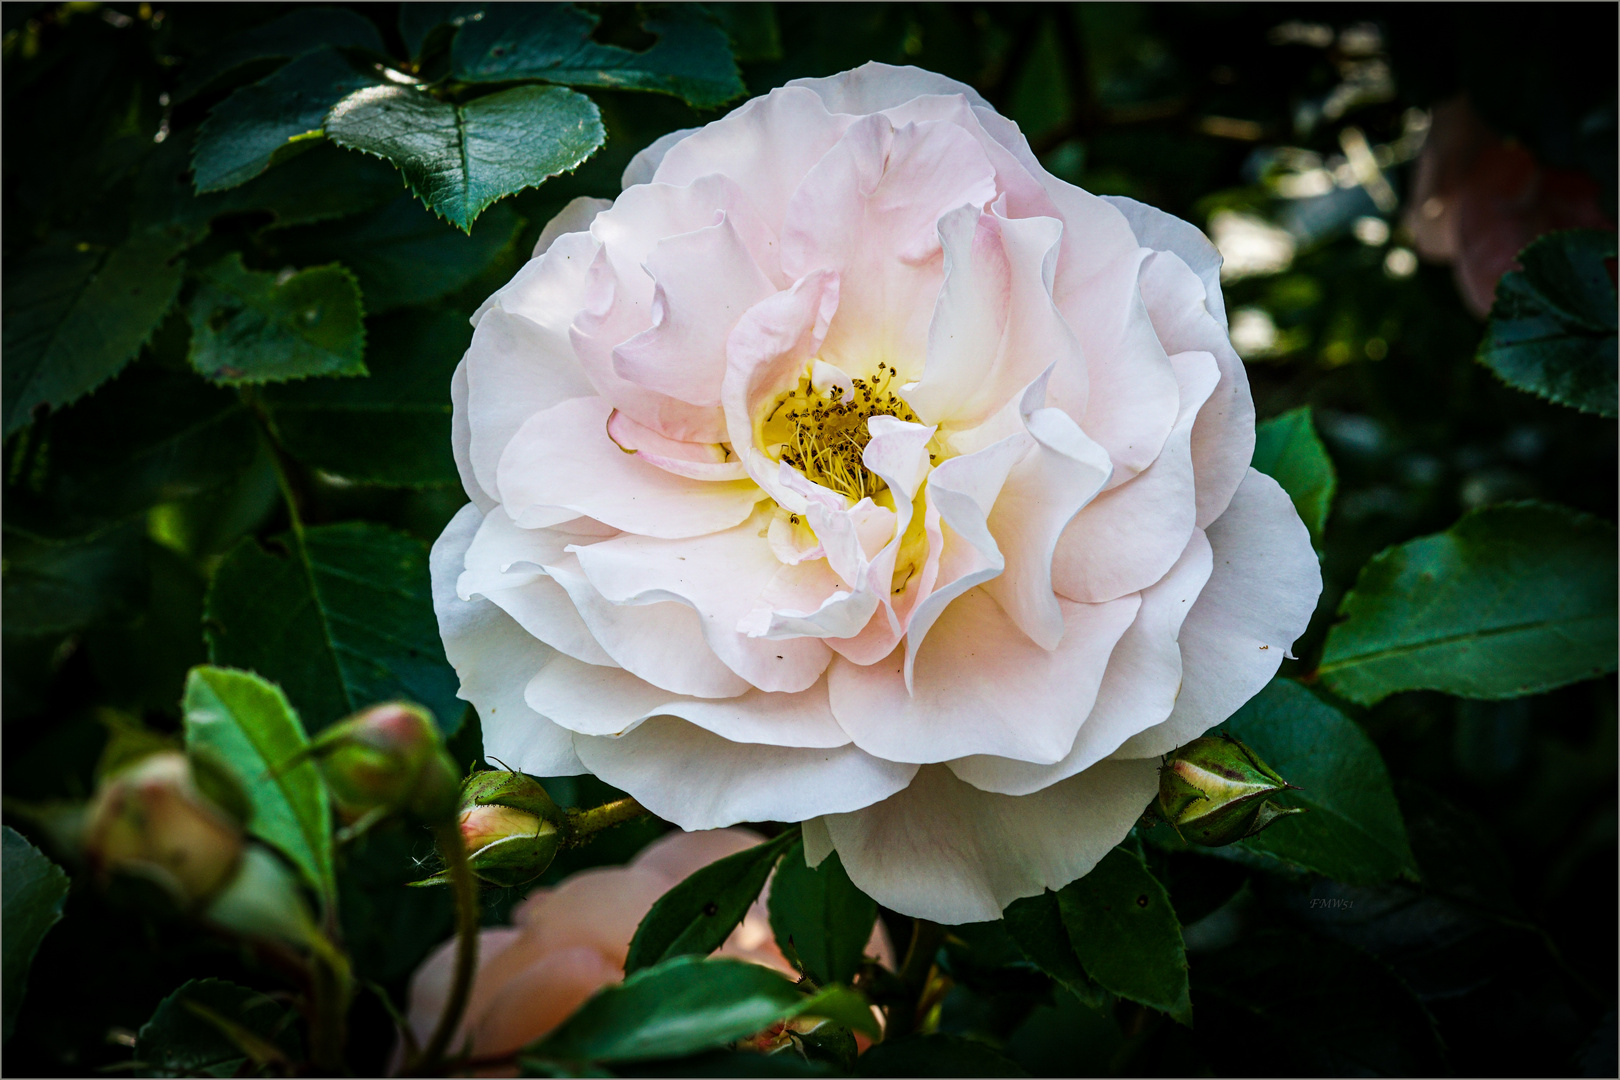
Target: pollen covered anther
824,434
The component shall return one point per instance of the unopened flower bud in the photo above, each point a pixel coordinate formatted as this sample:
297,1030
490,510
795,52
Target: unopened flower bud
1213,792
151,820
388,758
508,847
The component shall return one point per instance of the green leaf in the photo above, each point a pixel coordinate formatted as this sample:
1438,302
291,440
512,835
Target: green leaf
294,34
150,436
1353,831
691,60
688,1004
391,428
185,1036
343,620
253,327
934,1055
34,889
1552,326
76,314
402,255
1126,934
418,21
698,915
1035,924
821,913
1286,448
251,729
57,587
244,134
321,183
1513,599
461,158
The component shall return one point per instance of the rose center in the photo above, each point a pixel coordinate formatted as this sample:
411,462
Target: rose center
824,436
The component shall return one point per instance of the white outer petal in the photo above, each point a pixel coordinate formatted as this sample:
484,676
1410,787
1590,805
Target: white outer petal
1165,232
946,851
1258,601
699,780
491,655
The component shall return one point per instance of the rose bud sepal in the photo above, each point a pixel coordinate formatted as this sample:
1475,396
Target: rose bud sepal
509,826
1214,791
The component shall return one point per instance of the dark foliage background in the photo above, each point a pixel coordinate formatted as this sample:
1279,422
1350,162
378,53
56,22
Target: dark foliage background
126,506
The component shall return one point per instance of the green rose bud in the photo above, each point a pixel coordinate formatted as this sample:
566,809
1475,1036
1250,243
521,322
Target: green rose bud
1213,792
508,847
150,819
388,759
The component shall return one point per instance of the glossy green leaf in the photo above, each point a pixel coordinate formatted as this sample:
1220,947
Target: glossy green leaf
251,729
461,158
1126,934
1514,599
76,314
402,255
1287,449
1552,327
1353,831
53,587
688,1004
190,1032
393,427
417,22
294,34
254,327
822,915
696,916
148,437
935,1055
34,889
1035,924
244,134
341,621
691,59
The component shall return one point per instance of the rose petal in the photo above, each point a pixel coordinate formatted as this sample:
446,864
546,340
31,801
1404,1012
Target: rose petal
1138,689
562,460
537,998
873,87
980,686
683,354
699,780
575,217
1223,437
515,369
1259,599
945,851
661,642
488,649
506,565
644,165
869,211
608,701
1129,537
461,441
1165,232
720,576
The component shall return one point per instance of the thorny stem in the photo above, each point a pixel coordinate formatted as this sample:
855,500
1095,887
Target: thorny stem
586,823
925,941
429,1062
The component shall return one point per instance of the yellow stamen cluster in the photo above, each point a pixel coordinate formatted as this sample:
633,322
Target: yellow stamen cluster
824,436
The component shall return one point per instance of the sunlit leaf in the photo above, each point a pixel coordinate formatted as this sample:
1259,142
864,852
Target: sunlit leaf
1287,449
461,158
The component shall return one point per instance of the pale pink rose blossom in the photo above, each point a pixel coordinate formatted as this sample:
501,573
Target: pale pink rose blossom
849,468
570,940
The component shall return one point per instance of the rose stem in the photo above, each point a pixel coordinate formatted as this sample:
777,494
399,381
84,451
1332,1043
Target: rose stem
925,940
587,822
465,887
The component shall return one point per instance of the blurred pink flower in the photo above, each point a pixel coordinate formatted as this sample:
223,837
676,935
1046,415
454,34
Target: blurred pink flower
571,939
